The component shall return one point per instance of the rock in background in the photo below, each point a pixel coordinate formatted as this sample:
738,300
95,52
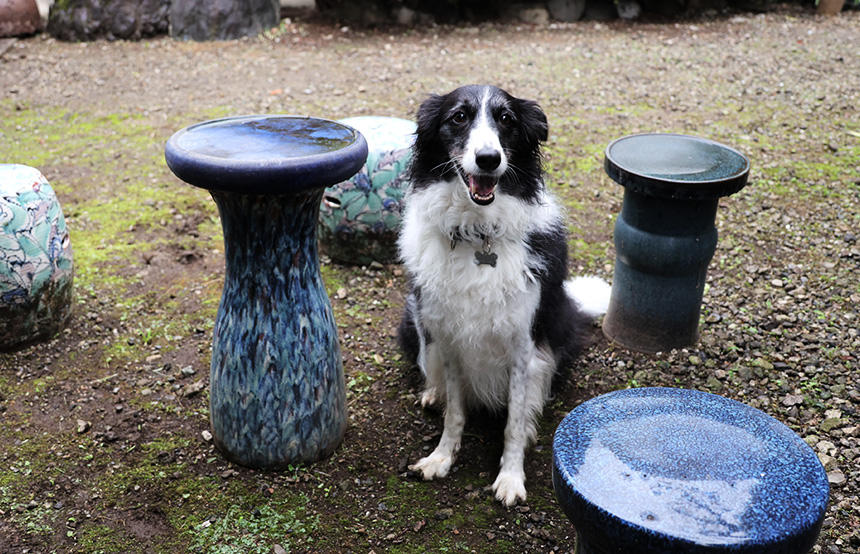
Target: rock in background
567,11
80,20
19,17
222,19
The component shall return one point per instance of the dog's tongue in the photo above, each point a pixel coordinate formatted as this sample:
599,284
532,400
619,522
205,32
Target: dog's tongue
482,187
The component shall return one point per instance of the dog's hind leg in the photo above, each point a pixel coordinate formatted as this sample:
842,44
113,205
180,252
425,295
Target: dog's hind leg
528,389
439,462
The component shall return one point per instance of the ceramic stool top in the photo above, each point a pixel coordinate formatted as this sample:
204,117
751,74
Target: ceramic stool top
676,166
265,154
672,470
360,218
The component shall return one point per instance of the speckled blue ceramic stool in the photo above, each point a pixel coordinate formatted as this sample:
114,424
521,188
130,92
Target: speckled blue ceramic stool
665,235
360,218
277,392
661,470
36,269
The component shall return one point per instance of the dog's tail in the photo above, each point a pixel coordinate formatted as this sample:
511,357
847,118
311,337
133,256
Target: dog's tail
591,294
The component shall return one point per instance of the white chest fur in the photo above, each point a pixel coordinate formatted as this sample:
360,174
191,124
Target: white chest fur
482,314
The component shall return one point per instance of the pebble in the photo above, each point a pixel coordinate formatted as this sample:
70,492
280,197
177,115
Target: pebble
829,424
207,436
829,462
826,447
193,388
836,477
444,514
188,371
83,426
792,399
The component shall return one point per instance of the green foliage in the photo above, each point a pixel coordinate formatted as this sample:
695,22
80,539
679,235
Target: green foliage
242,532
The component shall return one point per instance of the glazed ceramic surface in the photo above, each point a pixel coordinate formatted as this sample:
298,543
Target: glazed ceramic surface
676,166
658,470
360,218
665,235
36,269
277,392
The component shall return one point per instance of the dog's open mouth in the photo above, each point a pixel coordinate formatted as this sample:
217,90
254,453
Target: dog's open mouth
482,188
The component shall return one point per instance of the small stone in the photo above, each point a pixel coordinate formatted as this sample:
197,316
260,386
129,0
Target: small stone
762,363
187,371
778,283
207,436
829,462
792,399
836,477
829,424
341,293
146,392
694,360
83,426
278,549
419,525
193,389
444,513
825,447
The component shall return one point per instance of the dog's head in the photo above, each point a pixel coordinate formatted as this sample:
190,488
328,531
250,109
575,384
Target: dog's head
484,135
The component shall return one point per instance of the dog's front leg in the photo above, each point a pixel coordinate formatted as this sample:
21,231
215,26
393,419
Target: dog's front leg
529,382
439,462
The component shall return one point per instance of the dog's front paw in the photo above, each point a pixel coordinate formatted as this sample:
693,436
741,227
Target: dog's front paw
433,466
510,487
430,397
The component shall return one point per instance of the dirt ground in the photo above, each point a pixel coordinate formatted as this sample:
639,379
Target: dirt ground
103,429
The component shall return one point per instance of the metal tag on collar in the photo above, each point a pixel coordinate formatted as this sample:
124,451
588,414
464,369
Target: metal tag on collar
486,256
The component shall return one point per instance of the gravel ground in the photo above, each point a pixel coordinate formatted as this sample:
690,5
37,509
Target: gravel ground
110,398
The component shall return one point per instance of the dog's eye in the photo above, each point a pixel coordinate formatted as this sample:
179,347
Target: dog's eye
459,118
506,119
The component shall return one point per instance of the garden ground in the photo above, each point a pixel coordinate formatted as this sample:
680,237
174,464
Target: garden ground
103,443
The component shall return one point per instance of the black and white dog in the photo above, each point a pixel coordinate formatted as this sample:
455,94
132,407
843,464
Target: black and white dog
490,315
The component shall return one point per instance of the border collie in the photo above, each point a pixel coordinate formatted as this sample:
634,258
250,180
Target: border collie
490,315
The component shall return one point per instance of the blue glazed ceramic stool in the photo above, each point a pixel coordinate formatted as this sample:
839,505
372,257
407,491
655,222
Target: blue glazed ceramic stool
36,269
277,393
665,235
661,470
360,218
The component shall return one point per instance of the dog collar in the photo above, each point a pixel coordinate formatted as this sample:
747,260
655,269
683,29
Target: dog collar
484,256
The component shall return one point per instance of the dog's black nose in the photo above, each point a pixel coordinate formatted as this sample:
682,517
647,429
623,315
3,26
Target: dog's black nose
488,159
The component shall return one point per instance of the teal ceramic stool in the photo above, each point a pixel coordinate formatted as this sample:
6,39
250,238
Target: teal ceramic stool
360,218
665,235
35,258
277,394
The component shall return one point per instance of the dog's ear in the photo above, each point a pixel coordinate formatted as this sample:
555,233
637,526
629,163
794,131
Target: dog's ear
428,118
533,121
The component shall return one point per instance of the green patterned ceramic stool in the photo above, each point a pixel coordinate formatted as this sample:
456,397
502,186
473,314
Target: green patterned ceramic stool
35,259
360,218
